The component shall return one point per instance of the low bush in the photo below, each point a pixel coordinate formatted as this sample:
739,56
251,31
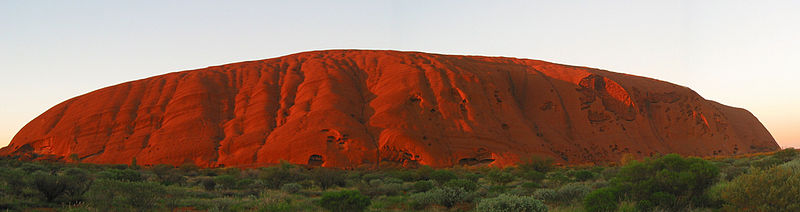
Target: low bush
465,184
583,175
291,188
49,184
537,163
346,200
448,197
225,181
670,182
121,175
423,186
326,178
275,176
208,183
421,200
510,203
534,176
601,200
378,187
441,176
500,177
545,194
67,186
774,189
785,155
108,195
571,192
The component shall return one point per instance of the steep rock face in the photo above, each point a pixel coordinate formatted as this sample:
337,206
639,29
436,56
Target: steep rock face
350,108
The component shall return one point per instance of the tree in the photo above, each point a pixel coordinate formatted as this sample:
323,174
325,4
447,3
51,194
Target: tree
134,165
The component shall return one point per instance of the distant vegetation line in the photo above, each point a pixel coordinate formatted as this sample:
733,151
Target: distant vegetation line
758,182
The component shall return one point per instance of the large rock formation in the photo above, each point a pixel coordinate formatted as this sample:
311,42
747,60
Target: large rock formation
353,108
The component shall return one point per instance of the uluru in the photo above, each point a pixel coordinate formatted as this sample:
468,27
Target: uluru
370,108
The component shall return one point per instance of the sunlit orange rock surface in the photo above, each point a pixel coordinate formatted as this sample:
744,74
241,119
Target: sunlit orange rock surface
352,108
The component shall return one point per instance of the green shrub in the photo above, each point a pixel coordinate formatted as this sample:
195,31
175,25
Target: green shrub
785,155
601,200
448,197
33,167
669,182
729,172
714,195
274,177
108,195
189,168
375,182
571,192
534,176
391,189
557,178
465,184
389,203
121,175
538,163
346,200
405,175
372,176
50,185
441,176
15,179
774,189
162,169
291,188
421,200
245,183
78,182
225,181
627,206
474,177
766,162
377,187
499,177
208,183
424,172
545,194
423,186
392,180
327,178
511,203
583,175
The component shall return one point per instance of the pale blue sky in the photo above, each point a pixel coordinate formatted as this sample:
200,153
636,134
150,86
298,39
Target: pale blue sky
740,53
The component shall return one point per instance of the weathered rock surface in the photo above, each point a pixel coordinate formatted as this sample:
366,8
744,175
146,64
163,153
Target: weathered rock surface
352,108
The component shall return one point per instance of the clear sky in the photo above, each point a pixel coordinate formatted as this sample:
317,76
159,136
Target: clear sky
740,53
